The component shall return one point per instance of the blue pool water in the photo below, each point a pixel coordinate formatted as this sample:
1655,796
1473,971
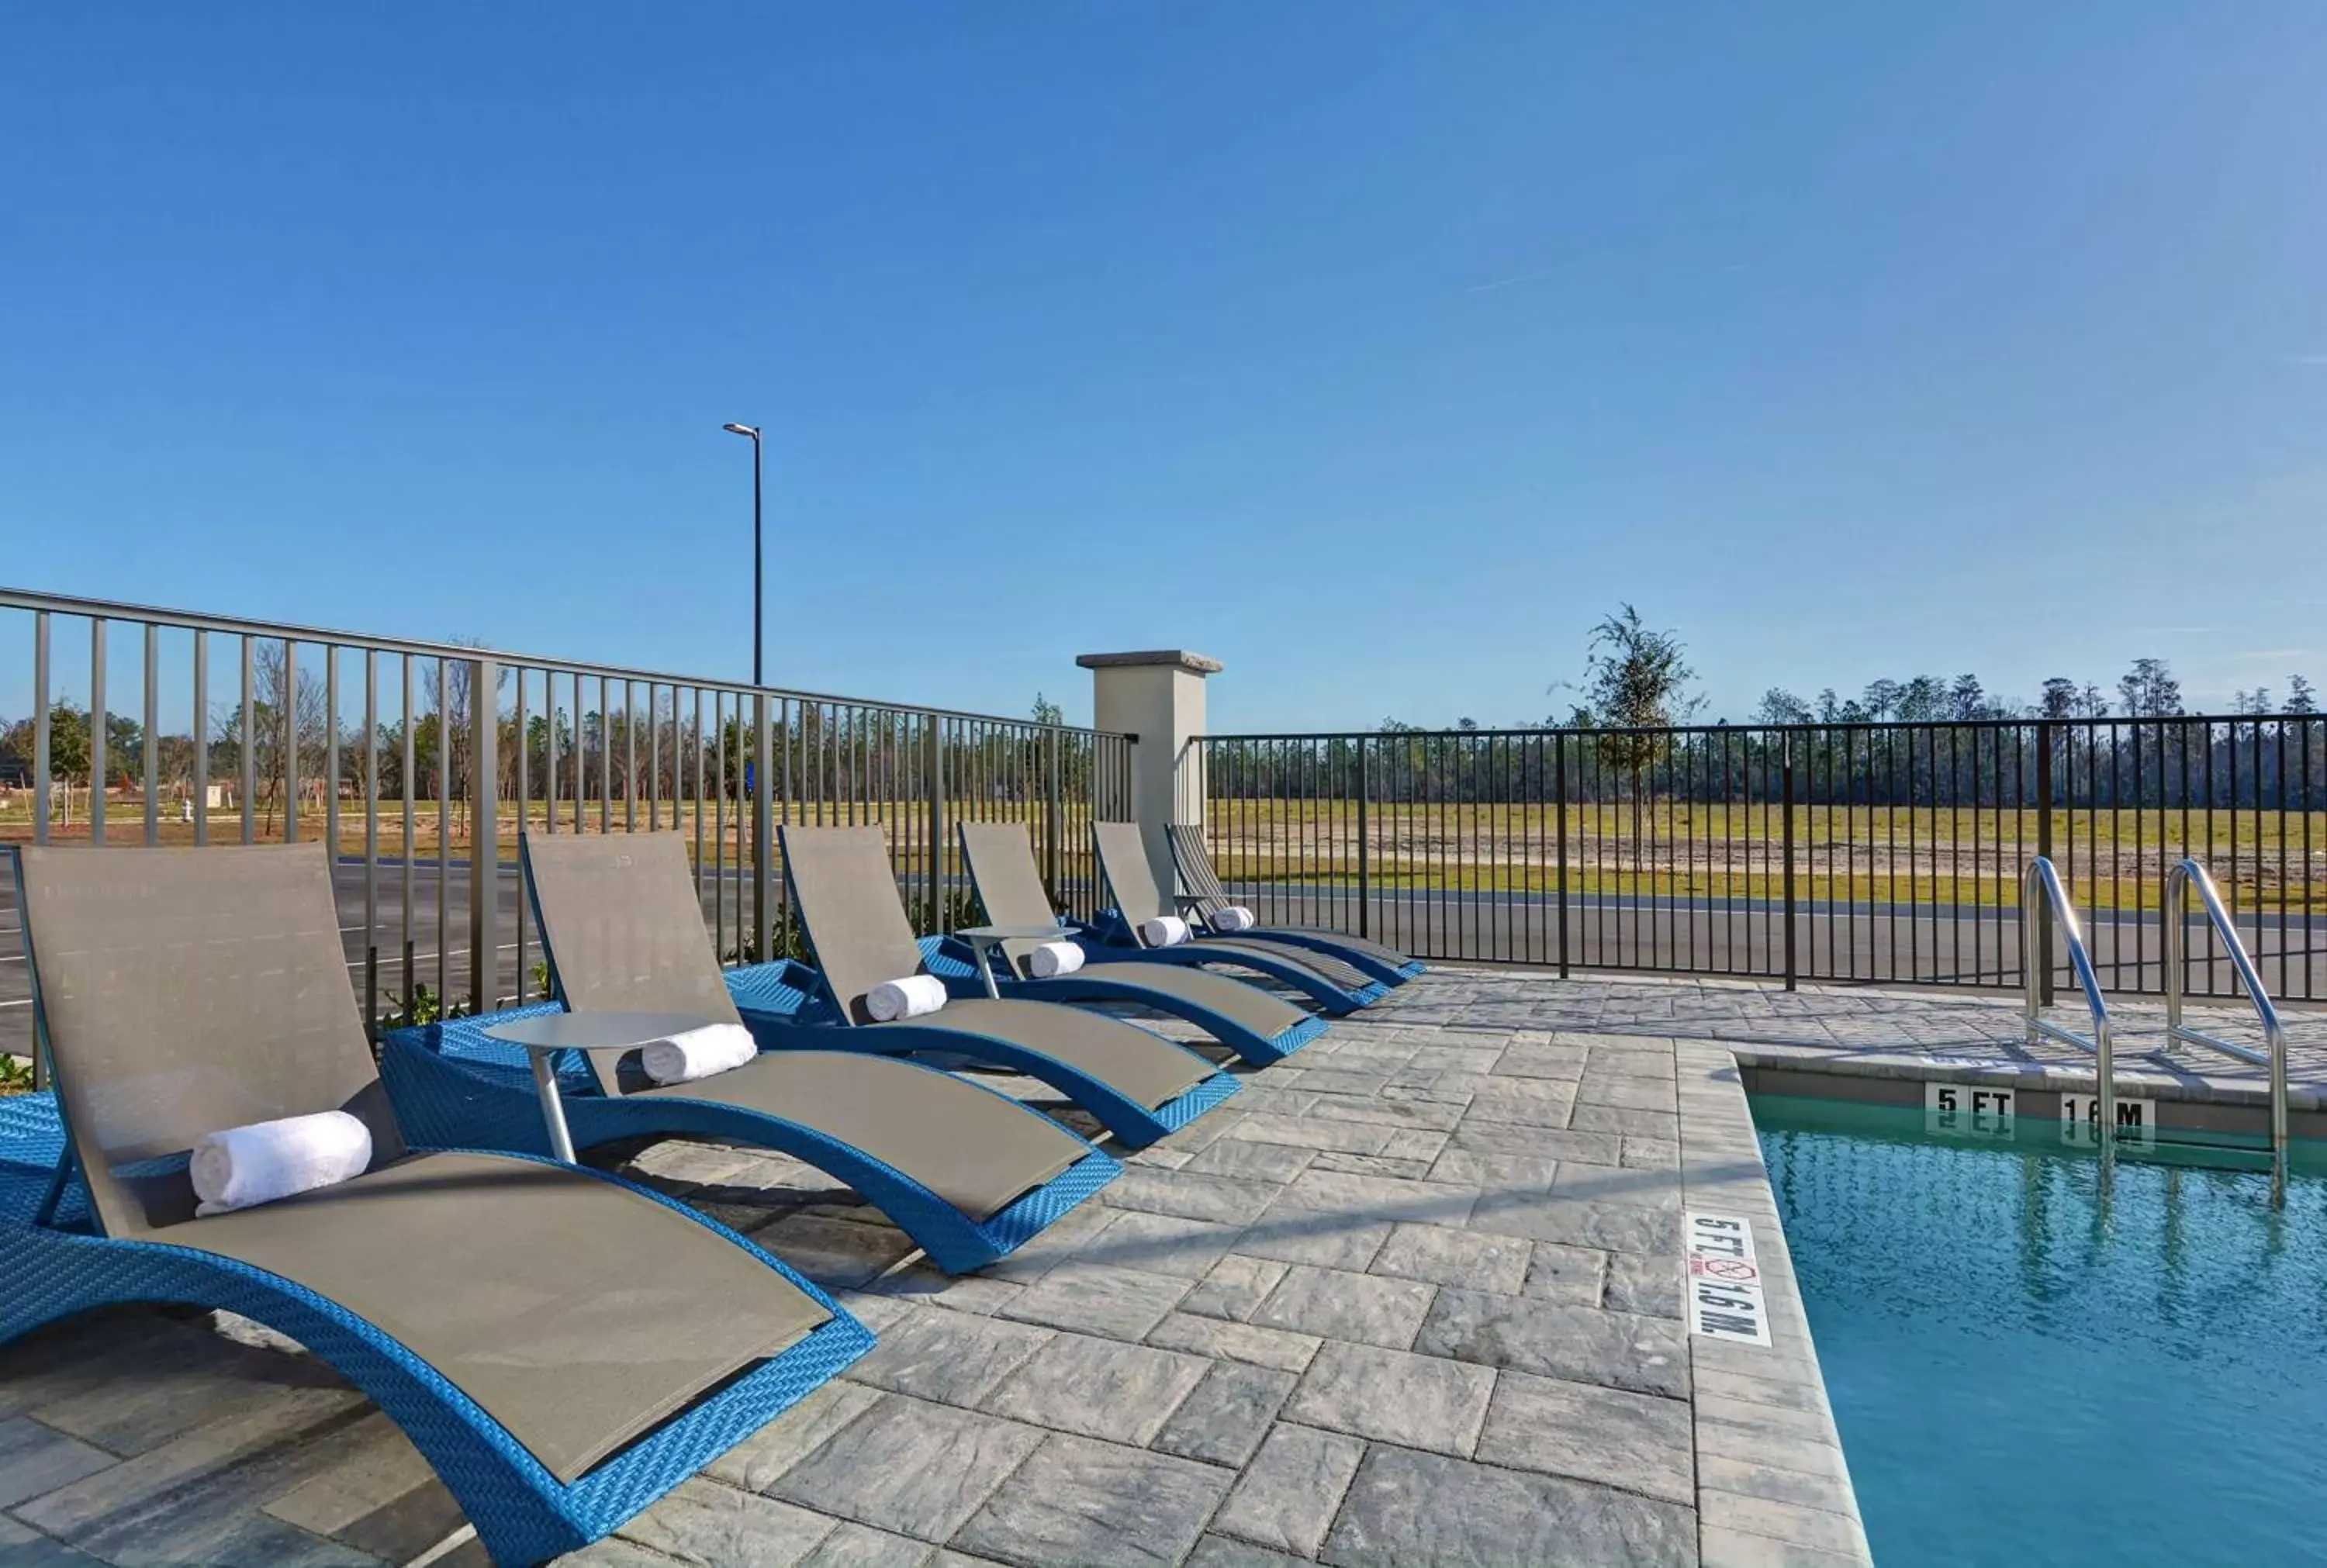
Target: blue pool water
2024,1376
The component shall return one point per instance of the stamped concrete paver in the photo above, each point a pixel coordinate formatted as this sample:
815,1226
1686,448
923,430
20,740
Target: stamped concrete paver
1576,1276
1251,1159
1421,1510
1228,1416
1235,1287
1582,1344
1635,1442
909,1466
1443,1256
1394,1396
1290,1233
706,1522
1334,1304
862,1546
1099,1387
34,1460
1287,1496
1078,1503
1099,1298
956,1358
1274,1347
757,1461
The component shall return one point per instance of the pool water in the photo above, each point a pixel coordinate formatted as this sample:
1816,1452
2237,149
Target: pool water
2023,1375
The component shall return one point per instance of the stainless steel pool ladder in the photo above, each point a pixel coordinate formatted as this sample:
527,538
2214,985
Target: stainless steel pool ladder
2175,915
2042,882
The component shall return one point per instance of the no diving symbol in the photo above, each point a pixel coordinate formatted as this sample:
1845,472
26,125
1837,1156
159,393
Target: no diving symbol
1736,1270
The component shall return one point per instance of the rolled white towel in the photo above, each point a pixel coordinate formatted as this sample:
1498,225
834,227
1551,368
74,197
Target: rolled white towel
695,1053
1231,918
265,1161
1052,959
1163,931
910,997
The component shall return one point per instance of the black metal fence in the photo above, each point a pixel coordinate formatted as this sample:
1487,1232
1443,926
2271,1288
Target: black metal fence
419,762
1877,852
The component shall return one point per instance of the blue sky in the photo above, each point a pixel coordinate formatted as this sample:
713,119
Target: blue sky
1375,349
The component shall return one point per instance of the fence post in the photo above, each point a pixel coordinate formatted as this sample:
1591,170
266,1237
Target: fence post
1559,834
97,730
1786,753
1365,862
1053,825
764,828
288,722
41,804
2043,848
937,824
484,828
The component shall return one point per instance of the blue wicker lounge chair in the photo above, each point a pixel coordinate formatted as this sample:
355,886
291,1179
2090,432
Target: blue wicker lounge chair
969,1174
1333,983
1206,896
1258,1025
563,1347
1139,1084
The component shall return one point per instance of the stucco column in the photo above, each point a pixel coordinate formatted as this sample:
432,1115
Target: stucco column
1157,695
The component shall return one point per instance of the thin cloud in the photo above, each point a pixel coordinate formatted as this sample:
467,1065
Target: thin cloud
1537,275
2307,359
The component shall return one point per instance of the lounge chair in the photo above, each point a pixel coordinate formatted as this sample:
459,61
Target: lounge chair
563,1347
969,1174
1207,896
1139,1084
1259,1027
1333,983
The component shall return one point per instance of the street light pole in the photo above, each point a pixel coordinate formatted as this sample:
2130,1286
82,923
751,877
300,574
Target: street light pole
758,571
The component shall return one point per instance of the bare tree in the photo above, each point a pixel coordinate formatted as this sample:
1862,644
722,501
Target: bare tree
290,720
450,685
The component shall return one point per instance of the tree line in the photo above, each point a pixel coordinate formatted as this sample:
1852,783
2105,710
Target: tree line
1638,675
1923,740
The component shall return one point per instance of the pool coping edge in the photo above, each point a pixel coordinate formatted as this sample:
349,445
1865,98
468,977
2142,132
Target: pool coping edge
1761,1421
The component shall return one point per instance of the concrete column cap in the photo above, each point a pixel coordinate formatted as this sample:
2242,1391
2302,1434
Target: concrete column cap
1176,657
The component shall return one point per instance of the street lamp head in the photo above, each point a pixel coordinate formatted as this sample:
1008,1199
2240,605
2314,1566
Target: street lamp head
751,430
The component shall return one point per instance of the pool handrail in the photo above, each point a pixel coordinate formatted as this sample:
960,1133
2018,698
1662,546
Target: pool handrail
2043,882
2174,917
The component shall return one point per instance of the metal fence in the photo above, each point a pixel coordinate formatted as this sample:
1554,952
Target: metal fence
1877,852
419,762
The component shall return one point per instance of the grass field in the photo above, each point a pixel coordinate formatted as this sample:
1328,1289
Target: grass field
2114,859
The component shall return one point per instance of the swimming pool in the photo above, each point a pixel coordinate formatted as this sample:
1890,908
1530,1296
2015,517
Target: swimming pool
2023,1375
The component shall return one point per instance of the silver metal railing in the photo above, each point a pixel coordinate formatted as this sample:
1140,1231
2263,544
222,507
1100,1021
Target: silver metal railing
2175,915
420,763
2041,890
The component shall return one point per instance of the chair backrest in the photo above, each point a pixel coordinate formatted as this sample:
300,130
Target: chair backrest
181,992
849,906
1123,862
1195,861
1001,859
622,928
